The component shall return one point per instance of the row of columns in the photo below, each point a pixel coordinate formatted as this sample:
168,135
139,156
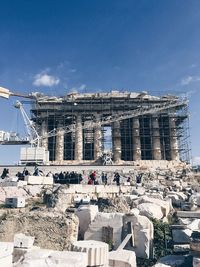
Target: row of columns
116,140
156,145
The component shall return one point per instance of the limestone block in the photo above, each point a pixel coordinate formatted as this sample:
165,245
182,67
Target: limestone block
194,225
18,253
195,199
21,183
196,262
86,199
6,249
15,202
102,219
122,258
47,180
23,241
34,179
143,234
84,188
164,204
195,241
161,265
150,210
140,191
172,260
135,211
11,191
107,189
86,215
77,199
188,214
50,258
181,236
97,252
181,248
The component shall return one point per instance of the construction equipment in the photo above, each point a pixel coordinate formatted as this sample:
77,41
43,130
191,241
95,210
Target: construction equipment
34,154
6,93
37,154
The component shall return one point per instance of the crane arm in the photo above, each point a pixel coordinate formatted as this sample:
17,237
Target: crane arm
32,133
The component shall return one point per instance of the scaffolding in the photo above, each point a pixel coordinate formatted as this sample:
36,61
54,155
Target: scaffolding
62,112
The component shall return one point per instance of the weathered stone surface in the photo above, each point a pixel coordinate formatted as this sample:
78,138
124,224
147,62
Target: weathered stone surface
181,248
122,258
196,262
50,258
117,204
172,260
97,252
161,265
195,199
114,220
151,210
23,241
143,232
59,199
52,230
177,198
85,214
165,205
6,249
181,236
11,191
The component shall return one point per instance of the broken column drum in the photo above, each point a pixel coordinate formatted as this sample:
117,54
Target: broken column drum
97,252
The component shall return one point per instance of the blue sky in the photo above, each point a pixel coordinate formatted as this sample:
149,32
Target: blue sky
59,46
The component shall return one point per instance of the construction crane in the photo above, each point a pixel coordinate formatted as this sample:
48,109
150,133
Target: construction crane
6,93
35,139
31,131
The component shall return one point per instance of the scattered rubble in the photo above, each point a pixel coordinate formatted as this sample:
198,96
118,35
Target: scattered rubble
51,229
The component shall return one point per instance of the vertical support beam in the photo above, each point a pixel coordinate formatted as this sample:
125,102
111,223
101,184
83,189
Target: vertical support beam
97,139
156,139
79,139
59,145
116,139
44,130
136,139
173,139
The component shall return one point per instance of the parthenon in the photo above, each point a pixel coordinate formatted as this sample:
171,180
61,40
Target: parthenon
149,136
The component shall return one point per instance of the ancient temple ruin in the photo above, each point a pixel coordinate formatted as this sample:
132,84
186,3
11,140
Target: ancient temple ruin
151,135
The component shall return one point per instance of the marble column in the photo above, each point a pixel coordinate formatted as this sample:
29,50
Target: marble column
136,139
97,139
79,139
59,155
44,131
173,139
116,140
156,146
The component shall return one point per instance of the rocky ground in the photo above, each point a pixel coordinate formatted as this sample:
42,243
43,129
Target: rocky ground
163,211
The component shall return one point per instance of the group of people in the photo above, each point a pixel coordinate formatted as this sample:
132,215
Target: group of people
67,177
72,177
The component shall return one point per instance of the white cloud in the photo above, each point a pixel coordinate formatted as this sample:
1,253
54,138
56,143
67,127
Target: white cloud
73,70
189,79
82,87
79,89
44,79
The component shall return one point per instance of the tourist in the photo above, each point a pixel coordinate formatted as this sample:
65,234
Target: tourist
117,178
